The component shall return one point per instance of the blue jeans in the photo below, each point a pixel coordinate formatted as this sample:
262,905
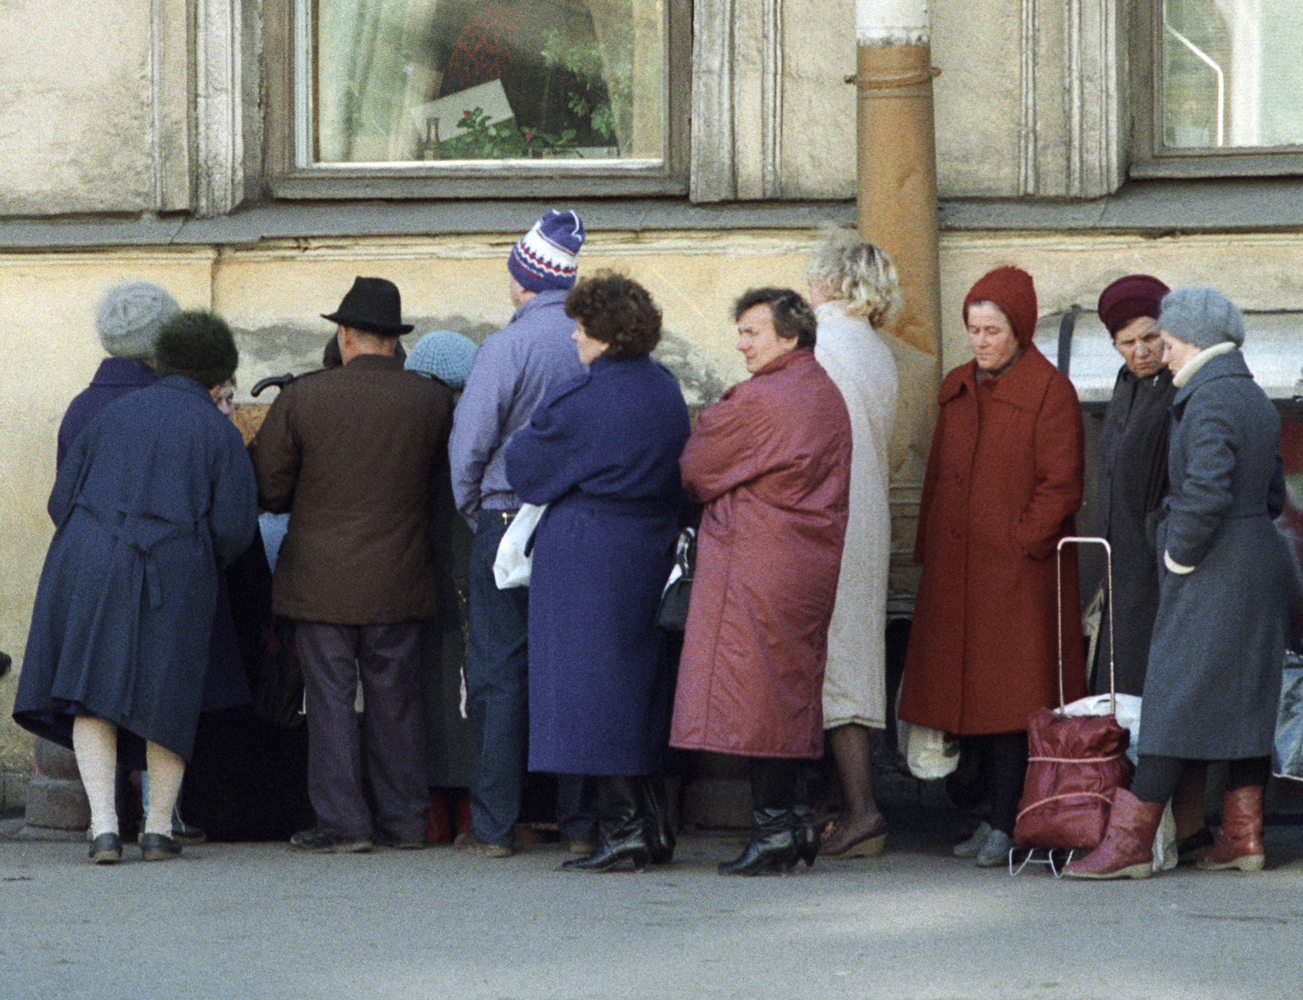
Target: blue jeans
497,691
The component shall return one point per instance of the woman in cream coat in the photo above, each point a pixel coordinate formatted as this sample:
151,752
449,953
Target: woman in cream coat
855,292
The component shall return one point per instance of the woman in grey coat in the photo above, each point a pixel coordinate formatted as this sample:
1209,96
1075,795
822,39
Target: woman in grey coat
1213,680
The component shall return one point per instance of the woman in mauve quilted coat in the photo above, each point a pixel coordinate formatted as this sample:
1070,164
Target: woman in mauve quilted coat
771,463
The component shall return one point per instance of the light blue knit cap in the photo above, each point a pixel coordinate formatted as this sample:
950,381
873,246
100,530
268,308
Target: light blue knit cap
444,354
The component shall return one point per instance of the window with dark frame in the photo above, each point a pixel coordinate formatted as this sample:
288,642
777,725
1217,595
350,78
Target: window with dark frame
1216,89
474,98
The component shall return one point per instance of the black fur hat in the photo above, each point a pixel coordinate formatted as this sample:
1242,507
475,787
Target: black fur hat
198,344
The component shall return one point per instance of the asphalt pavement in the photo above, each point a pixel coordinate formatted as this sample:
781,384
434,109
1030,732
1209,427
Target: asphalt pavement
261,920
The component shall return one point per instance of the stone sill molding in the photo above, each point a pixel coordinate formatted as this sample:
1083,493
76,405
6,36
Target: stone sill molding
1141,206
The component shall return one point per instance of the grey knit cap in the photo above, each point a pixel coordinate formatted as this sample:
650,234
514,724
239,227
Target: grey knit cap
445,354
129,317
1203,317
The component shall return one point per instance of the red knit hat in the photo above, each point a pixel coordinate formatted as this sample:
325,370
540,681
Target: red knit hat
1012,290
1130,297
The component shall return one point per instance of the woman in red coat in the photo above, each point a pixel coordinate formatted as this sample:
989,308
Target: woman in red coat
1003,482
771,462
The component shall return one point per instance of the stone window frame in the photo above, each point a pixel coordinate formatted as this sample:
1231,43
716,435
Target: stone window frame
1148,158
287,179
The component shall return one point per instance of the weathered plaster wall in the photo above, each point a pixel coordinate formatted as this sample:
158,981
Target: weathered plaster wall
94,116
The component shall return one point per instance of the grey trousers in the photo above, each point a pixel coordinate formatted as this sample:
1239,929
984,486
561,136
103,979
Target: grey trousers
391,741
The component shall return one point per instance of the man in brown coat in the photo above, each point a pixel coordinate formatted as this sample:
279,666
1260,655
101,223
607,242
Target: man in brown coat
348,452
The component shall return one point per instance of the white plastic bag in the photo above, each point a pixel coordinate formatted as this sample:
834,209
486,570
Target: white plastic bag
511,566
928,753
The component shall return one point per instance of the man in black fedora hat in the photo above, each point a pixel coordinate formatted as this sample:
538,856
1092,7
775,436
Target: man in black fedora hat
348,451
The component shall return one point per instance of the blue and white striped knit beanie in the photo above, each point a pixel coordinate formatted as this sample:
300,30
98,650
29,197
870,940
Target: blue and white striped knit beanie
445,354
548,255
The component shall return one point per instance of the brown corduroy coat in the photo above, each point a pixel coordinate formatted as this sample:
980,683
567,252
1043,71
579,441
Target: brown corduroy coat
1003,483
348,452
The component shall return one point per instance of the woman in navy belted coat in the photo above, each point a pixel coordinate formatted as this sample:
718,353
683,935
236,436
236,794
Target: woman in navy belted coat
154,495
602,450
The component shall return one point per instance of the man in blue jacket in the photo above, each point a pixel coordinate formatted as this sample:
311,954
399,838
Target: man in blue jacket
512,371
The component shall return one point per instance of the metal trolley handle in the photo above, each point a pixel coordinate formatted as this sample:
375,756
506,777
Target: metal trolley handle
1108,594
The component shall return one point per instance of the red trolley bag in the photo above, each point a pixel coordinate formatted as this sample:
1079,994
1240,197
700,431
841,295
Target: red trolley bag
1074,763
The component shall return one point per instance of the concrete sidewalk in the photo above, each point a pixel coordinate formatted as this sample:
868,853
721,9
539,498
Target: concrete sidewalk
258,920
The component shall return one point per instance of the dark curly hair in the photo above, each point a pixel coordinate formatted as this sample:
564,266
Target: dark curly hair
793,316
618,311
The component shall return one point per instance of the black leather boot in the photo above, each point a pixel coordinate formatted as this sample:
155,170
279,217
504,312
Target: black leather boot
655,807
773,845
622,829
806,835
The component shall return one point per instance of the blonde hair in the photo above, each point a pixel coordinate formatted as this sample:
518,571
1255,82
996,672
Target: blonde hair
859,274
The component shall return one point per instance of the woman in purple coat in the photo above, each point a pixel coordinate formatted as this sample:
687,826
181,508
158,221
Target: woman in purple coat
603,450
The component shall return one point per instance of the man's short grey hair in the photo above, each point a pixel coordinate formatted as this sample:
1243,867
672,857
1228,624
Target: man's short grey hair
858,273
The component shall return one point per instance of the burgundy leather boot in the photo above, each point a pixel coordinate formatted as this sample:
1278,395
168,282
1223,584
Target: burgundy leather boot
1239,842
1127,850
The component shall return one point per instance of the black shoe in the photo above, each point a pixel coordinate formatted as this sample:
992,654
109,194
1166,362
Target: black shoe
1192,848
106,849
319,841
659,834
159,847
805,836
772,848
622,832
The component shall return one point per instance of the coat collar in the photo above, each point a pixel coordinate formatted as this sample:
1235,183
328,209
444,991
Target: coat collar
1017,385
799,355
374,361
1228,365
184,383
541,300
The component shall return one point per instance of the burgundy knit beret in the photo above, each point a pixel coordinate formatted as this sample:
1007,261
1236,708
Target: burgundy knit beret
1129,297
1011,289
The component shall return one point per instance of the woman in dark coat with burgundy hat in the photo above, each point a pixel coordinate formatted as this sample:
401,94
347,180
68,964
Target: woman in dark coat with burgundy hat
1003,482
1132,486
1212,683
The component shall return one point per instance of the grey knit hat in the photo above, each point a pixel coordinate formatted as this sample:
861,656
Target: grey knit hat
129,318
445,354
1203,317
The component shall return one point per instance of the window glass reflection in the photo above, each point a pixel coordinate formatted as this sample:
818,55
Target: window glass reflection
1230,73
407,80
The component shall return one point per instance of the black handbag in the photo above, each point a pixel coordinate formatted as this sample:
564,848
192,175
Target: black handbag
277,686
673,612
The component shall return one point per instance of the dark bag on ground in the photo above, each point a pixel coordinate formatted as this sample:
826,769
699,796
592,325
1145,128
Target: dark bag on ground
1074,764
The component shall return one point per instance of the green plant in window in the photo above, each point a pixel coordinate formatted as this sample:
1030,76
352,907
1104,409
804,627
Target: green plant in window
480,138
603,89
